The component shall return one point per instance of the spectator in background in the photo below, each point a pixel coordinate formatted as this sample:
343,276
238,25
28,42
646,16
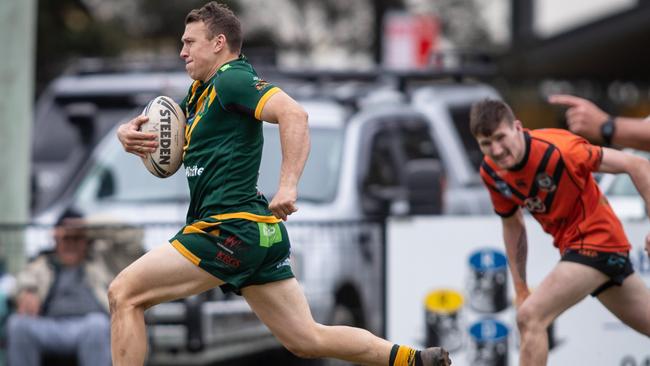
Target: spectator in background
586,119
61,302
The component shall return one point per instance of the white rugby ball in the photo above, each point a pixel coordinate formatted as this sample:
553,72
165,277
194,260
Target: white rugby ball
167,121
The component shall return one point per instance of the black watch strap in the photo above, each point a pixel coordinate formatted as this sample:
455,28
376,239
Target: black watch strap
607,130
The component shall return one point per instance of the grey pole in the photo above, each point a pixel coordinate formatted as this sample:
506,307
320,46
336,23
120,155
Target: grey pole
17,37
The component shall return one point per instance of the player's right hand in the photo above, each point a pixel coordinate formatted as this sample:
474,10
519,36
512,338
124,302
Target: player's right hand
647,244
283,203
582,116
134,141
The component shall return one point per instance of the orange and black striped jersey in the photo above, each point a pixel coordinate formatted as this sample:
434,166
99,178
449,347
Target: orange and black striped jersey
554,182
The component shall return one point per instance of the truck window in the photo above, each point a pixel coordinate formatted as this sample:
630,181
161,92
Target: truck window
382,171
416,141
319,181
460,116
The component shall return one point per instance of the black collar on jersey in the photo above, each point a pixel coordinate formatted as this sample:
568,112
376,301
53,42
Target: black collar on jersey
523,161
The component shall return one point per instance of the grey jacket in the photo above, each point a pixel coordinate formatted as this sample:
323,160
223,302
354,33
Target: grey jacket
112,249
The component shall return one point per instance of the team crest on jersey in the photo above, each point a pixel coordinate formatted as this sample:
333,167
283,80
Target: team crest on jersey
535,205
503,188
545,182
260,83
204,107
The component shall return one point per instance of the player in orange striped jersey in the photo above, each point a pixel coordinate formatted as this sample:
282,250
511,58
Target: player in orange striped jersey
548,172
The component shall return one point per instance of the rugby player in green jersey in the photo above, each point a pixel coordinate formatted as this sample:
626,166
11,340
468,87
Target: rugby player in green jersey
234,238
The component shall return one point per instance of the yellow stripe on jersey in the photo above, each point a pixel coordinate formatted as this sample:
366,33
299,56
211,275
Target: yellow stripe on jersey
204,98
263,100
186,253
247,216
195,85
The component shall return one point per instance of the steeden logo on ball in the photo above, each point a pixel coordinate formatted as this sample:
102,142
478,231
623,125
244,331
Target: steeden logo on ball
166,119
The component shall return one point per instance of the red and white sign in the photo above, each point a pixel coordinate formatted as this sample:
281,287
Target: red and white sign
409,40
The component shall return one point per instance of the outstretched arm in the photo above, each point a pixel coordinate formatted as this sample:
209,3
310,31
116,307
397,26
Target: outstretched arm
294,138
632,132
586,119
638,168
514,235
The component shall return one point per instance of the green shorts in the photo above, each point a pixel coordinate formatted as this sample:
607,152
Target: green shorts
239,252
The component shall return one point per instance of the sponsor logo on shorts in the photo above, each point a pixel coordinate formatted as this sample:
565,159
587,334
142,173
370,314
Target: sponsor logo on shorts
588,253
232,242
615,261
284,263
228,259
269,234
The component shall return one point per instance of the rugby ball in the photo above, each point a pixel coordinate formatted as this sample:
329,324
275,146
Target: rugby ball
167,121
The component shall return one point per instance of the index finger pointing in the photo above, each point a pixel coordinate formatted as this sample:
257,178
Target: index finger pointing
565,99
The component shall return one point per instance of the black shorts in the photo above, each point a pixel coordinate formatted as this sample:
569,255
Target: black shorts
616,266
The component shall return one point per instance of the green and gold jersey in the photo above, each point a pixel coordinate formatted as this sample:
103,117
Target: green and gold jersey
223,144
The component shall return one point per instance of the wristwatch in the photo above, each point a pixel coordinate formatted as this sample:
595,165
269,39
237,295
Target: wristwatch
607,130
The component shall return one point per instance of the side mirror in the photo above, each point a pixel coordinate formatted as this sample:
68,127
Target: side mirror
82,116
374,201
425,186
106,184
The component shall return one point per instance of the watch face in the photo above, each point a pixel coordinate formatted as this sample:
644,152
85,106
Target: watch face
608,128
607,131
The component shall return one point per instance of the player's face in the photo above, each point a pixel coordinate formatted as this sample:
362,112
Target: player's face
506,145
201,55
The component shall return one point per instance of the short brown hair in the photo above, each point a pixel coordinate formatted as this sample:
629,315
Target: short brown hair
219,19
486,116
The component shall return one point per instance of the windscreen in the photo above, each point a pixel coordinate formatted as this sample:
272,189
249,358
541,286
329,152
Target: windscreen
117,176
120,177
55,137
320,176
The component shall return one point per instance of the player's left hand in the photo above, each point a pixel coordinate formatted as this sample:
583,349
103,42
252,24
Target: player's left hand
647,244
284,202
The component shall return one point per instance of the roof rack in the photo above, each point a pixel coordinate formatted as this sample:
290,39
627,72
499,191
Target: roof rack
457,66
90,66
